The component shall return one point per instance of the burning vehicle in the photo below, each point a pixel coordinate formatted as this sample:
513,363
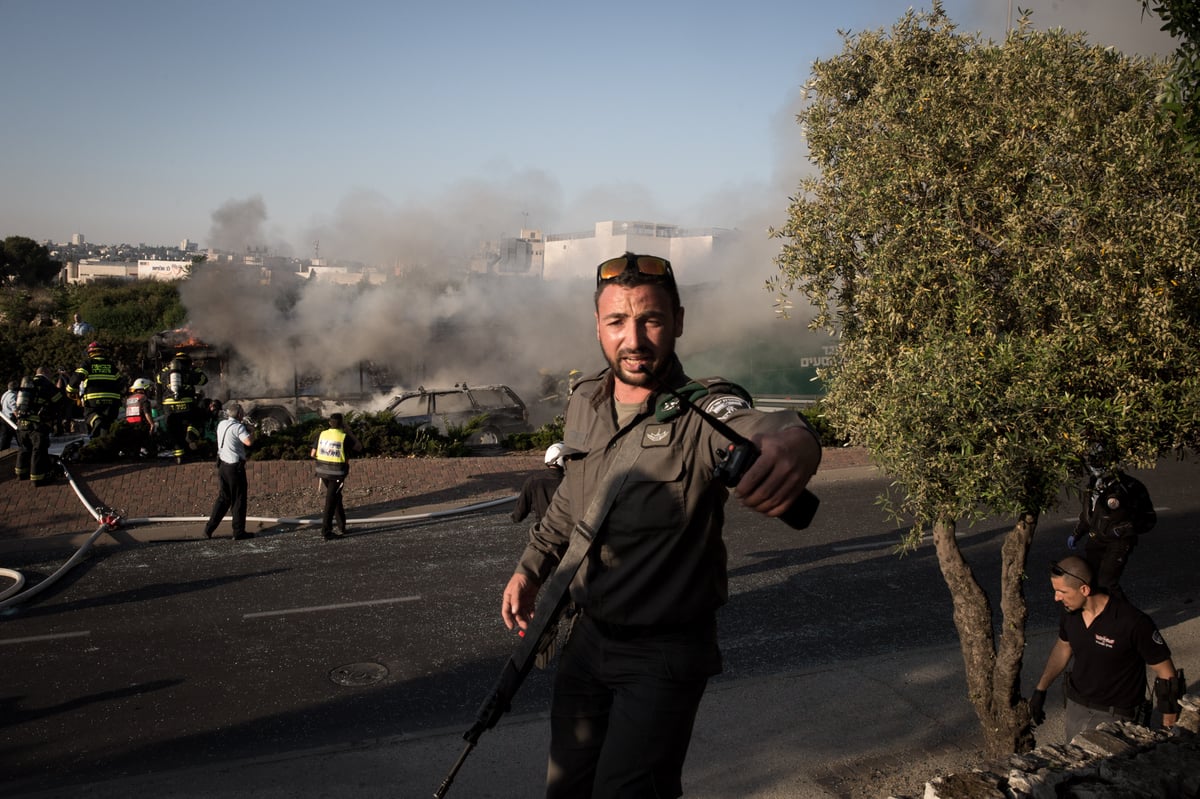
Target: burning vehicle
270,409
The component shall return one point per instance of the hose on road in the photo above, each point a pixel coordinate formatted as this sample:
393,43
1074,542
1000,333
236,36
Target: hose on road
111,520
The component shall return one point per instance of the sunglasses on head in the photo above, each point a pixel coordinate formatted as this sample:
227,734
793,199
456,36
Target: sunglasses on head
645,264
1059,571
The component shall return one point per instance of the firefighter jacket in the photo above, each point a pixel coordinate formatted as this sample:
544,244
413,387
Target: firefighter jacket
179,380
97,382
333,447
659,558
40,403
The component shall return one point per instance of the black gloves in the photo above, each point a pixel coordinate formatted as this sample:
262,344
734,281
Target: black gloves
1037,707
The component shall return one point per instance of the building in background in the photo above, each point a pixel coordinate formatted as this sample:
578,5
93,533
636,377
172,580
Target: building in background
565,256
89,270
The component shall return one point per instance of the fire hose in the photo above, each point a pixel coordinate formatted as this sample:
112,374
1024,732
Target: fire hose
111,519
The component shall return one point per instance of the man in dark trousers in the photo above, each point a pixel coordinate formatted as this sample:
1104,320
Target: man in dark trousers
538,489
179,383
99,385
1116,509
642,648
232,439
1112,644
40,403
332,451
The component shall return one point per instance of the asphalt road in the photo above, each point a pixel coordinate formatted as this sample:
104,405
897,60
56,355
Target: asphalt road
175,655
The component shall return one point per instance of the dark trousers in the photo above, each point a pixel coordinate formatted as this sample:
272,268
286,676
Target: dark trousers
623,710
333,505
1107,559
33,460
100,415
179,422
232,478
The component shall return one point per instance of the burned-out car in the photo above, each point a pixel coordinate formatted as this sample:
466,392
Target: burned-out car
440,407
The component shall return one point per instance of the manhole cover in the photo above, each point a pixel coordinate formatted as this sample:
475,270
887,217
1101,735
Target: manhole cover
358,674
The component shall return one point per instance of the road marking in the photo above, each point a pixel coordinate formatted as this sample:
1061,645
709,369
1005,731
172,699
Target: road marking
318,608
56,636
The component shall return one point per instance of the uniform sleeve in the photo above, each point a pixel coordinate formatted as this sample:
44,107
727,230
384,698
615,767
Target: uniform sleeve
548,540
1150,643
748,421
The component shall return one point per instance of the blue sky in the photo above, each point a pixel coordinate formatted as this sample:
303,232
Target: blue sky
287,122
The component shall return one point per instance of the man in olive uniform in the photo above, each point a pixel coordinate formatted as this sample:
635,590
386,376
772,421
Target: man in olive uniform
640,652
331,450
40,403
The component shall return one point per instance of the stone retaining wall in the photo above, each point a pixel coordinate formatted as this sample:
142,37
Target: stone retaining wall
1117,760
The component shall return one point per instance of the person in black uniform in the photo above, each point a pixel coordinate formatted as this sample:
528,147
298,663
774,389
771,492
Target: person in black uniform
1116,510
1112,643
538,489
40,403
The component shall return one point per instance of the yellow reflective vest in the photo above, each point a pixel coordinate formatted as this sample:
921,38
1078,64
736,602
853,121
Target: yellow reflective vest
331,453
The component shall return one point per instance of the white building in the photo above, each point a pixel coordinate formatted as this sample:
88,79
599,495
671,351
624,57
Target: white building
575,255
163,270
89,270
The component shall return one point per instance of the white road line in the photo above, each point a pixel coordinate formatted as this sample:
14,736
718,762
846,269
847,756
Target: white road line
54,637
318,608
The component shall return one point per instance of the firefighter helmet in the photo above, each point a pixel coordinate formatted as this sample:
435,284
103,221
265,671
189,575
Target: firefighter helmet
554,454
95,348
141,384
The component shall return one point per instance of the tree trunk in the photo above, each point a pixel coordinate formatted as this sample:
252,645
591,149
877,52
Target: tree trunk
993,664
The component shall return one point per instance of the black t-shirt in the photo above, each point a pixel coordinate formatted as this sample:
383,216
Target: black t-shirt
1112,654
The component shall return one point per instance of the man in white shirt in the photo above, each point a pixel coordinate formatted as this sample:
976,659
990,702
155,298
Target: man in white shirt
232,439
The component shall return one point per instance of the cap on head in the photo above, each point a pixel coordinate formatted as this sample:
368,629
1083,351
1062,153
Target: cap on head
554,454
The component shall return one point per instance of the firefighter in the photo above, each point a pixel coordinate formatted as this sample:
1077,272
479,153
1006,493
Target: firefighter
99,387
141,416
179,380
39,404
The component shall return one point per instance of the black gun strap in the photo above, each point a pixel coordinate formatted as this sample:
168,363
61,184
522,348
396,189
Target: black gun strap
555,594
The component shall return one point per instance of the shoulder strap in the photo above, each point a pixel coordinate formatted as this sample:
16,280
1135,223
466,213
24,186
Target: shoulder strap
555,594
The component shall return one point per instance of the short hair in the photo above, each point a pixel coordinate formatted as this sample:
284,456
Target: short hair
233,409
1074,568
335,420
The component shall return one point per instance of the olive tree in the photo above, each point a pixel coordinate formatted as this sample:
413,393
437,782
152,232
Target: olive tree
1181,95
1004,237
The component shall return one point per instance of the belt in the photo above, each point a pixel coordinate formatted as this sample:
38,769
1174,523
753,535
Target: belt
1127,712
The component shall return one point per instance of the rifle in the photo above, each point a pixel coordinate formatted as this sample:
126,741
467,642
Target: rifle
543,627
